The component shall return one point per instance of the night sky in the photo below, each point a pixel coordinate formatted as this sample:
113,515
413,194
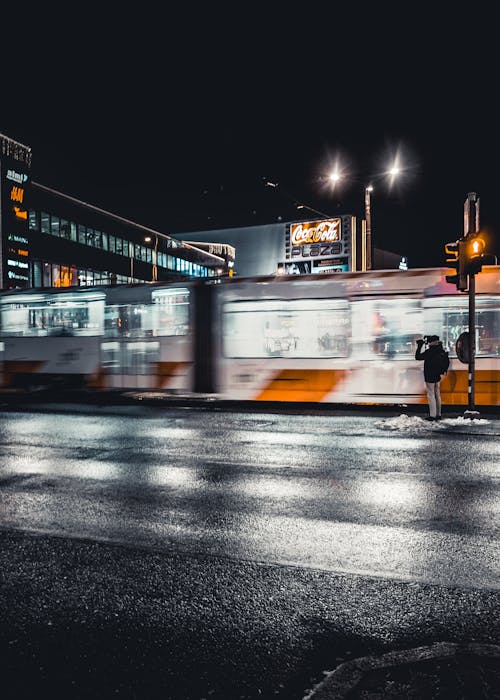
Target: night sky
179,124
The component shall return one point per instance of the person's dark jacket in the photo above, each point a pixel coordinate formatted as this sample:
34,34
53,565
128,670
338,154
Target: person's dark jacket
430,373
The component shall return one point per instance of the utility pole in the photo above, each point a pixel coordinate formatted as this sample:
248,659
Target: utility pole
368,218
471,229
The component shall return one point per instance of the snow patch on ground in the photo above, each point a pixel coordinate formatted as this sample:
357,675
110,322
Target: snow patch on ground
416,423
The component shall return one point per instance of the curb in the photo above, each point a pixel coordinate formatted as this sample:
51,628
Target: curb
344,680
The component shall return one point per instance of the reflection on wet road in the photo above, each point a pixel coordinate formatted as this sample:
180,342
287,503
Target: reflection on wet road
339,493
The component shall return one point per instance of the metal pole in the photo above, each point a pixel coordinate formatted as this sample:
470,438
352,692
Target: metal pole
368,217
471,225
155,261
471,387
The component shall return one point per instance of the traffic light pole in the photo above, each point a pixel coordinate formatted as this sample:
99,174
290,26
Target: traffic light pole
471,411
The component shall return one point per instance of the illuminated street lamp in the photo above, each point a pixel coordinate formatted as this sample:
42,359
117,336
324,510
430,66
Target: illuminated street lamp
368,219
155,257
392,173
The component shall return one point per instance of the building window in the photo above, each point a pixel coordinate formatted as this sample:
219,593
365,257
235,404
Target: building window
54,225
33,221
45,222
64,229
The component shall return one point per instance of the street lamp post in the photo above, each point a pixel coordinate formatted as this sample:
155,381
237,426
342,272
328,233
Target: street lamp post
154,269
131,251
155,260
368,219
392,172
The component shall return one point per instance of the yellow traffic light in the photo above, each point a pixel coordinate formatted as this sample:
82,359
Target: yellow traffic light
474,254
457,257
451,250
476,247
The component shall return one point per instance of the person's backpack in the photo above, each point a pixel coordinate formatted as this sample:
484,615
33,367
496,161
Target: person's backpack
442,362
439,362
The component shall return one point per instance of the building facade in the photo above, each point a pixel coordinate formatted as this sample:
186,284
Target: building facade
49,239
293,248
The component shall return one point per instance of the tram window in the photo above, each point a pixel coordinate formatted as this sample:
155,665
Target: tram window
386,328
63,316
450,316
171,312
138,357
286,328
110,357
488,333
128,320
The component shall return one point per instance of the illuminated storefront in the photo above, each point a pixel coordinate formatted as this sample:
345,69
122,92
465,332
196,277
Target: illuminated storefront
49,239
318,247
15,163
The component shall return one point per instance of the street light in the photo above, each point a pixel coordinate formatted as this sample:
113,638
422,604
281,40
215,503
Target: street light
336,176
368,219
155,257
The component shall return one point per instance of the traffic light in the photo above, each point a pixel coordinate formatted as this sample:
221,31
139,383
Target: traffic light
473,254
456,252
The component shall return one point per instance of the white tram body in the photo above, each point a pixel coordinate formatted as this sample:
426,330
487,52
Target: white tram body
346,338
350,337
121,337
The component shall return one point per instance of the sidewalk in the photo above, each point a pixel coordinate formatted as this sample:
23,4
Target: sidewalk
442,671
488,420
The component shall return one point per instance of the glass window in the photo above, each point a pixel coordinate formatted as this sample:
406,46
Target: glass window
111,243
39,314
64,229
36,267
448,317
47,275
119,246
90,237
33,220
54,225
110,356
386,328
286,328
104,238
74,233
129,320
171,311
45,222
139,356
82,234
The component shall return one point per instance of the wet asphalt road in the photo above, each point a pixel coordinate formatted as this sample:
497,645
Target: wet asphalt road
187,554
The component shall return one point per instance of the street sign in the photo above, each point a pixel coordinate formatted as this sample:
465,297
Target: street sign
462,348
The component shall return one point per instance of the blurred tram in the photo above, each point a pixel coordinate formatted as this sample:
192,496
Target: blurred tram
341,338
116,337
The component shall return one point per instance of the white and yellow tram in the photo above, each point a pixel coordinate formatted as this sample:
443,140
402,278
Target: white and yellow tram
342,338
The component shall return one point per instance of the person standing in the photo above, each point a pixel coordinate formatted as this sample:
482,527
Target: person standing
434,366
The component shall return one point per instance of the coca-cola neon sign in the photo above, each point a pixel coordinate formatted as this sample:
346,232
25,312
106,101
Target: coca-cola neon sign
325,231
